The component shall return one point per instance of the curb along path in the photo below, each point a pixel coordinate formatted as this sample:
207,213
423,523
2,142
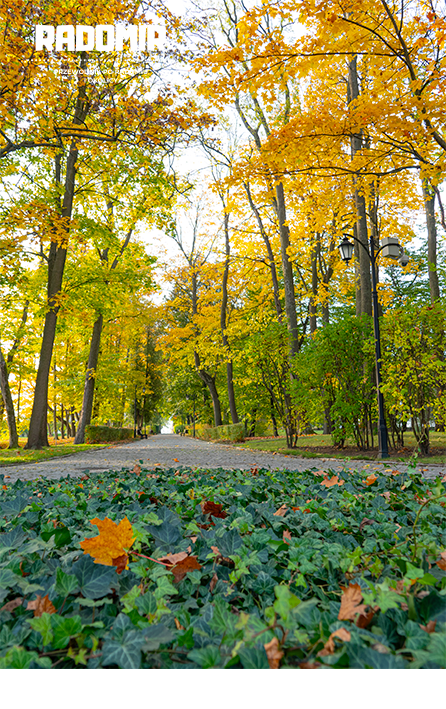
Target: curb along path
169,451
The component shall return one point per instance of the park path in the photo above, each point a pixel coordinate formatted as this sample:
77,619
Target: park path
169,450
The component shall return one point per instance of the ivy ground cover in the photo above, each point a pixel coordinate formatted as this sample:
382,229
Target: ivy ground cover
189,568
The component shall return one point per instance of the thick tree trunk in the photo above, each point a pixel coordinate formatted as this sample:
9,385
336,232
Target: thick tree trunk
287,267
429,206
37,436
223,324
356,143
209,380
90,378
9,406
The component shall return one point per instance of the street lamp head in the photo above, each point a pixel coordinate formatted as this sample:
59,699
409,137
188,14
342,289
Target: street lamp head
346,249
403,259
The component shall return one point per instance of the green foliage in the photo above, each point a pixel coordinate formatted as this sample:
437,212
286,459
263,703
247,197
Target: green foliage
336,370
414,367
104,434
384,536
228,432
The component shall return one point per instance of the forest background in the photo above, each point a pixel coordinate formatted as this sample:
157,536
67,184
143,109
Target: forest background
250,144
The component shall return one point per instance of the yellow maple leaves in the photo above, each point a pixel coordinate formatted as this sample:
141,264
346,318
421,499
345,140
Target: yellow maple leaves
111,545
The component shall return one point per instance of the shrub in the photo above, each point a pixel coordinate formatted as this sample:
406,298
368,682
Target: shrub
228,432
104,434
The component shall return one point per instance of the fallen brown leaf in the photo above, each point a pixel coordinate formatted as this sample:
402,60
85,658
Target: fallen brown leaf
273,653
309,665
362,621
41,605
120,562
213,583
190,563
351,602
136,468
286,537
430,627
173,559
178,624
441,563
364,522
329,646
281,512
12,605
213,509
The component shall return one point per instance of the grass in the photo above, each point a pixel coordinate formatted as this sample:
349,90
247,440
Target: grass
56,449
320,446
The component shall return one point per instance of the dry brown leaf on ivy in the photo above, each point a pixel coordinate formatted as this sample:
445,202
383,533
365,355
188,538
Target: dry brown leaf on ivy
329,646
178,624
213,508
430,627
441,563
12,605
364,522
351,602
41,605
273,653
370,479
136,468
362,621
281,511
120,562
190,563
309,665
173,559
286,537
213,583
114,540
333,481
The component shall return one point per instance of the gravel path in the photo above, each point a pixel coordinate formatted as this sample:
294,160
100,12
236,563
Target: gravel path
169,450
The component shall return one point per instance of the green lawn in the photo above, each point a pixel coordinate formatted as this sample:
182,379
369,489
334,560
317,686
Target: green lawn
56,449
319,446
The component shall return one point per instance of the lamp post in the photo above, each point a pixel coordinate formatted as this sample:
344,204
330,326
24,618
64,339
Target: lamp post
134,416
144,410
392,249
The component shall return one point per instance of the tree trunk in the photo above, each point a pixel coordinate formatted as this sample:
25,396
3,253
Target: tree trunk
209,380
90,378
223,311
429,206
37,436
9,406
287,267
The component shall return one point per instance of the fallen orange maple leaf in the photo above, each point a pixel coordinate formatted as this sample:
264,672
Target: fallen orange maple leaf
333,481
111,545
370,479
40,606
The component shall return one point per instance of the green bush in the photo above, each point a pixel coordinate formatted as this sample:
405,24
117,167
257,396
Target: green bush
228,432
104,434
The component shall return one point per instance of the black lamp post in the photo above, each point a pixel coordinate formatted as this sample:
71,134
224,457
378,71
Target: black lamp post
134,416
392,249
144,410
